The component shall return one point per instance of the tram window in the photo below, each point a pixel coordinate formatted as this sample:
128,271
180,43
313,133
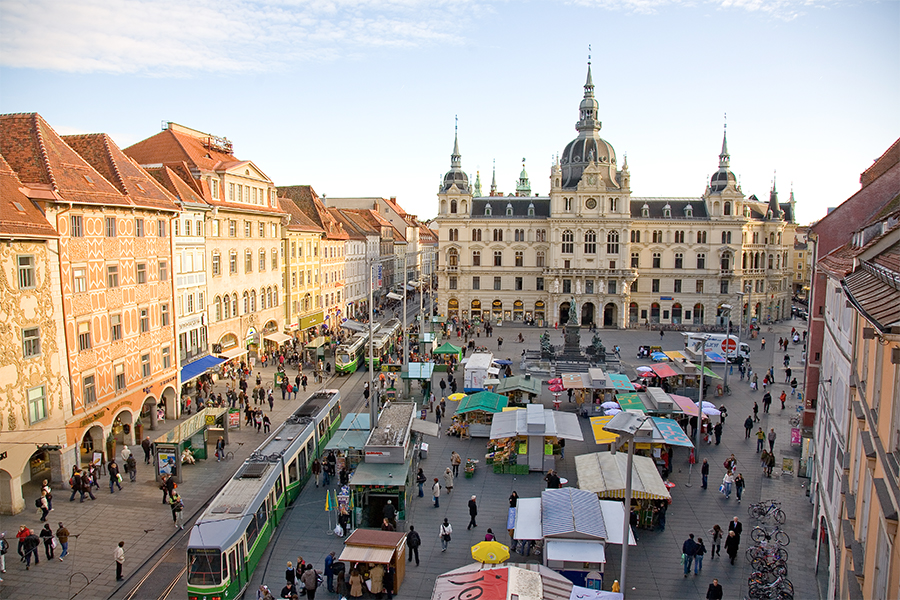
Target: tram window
252,532
336,413
224,567
311,447
205,566
232,563
303,463
292,471
262,516
279,487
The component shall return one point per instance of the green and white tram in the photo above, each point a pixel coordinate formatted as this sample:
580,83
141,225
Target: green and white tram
229,538
385,340
348,357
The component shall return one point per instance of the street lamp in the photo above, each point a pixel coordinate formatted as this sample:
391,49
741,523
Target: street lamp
626,424
699,409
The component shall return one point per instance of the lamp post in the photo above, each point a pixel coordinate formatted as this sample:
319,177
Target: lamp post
699,410
730,309
740,323
626,424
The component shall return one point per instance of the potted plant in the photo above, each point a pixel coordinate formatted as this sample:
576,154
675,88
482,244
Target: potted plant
138,430
110,445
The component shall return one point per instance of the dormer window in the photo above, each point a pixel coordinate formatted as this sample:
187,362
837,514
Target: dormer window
509,209
747,211
645,210
667,211
531,209
487,209
688,211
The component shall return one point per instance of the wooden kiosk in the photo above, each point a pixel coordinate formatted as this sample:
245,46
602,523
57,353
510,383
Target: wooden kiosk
378,547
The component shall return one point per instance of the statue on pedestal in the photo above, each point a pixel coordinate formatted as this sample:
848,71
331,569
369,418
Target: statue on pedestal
546,349
573,313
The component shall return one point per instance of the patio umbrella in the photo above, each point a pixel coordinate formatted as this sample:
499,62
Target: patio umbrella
556,388
490,552
644,369
710,410
555,381
708,404
610,405
612,411
456,397
503,362
659,357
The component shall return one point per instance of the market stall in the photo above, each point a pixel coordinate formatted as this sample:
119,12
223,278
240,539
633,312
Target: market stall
474,414
530,435
574,533
477,369
519,389
375,547
416,371
524,581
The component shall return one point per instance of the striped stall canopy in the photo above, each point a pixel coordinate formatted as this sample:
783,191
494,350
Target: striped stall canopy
604,474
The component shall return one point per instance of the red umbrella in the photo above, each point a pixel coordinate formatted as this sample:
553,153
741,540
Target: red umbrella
556,388
555,381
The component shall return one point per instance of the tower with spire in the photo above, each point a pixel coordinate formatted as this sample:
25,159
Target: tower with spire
455,193
523,187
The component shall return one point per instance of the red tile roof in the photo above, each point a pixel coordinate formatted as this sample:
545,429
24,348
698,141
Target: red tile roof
120,170
176,186
40,156
353,229
305,197
19,216
299,220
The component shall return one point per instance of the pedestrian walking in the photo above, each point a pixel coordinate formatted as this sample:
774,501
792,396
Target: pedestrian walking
4,548
513,499
413,541
772,436
356,584
120,560
732,542
473,512
688,551
114,477
45,487
714,591
446,530
30,545
727,483
310,580
131,468
716,541
177,506
455,461
316,470
730,464
443,386
762,344
748,427
552,479
756,412
736,526
767,401
420,481
329,572
698,556
760,439
717,431
436,493
437,415
42,504
793,387
62,535
47,538
448,480
770,464
220,449
739,486
390,513
783,398
704,472
86,484
168,487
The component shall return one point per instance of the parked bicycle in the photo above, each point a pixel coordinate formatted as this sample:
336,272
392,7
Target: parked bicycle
766,509
766,555
777,534
768,572
780,589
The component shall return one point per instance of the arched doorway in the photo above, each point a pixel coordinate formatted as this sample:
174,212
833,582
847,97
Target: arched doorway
563,313
92,443
587,313
539,312
497,310
676,313
270,327
698,314
633,313
228,341
476,311
453,308
169,404
518,311
610,312
654,312
123,428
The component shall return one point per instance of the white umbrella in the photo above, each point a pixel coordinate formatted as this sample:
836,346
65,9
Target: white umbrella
708,404
610,405
612,411
710,410
643,369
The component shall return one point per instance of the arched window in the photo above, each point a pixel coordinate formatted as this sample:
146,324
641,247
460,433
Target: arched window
725,263
509,209
612,242
520,259
635,236
453,206
531,209
688,211
540,258
476,235
568,239
246,302
657,260
701,237
498,258
590,242
727,209
275,296
487,209
645,210
667,211
476,258
218,303
234,305
568,204
613,205
452,258
498,235
262,299
771,262
679,260
679,237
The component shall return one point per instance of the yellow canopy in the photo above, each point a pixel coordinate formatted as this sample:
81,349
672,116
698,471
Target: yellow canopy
490,552
601,436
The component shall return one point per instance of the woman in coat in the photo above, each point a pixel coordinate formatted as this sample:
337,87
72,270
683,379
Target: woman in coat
731,546
376,578
356,584
448,480
47,538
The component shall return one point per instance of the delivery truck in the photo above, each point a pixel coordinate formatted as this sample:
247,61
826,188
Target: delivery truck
726,345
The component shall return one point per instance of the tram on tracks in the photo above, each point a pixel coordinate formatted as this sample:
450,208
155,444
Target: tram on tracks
229,538
385,341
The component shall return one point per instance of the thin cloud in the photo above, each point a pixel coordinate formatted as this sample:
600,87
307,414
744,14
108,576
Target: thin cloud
171,37
786,10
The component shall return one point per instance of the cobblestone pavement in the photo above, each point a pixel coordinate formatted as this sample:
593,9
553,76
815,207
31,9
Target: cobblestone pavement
654,570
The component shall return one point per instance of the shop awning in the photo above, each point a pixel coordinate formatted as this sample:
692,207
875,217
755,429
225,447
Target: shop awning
575,381
378,474
715,357
630,402
711,374
576,551
366,554
347,439
675,355
233,353
614,519
394,296
620,382
425,427
319,341
604,474
358,420
486,401
663,370
199,367
601,436
447,348
671,432
518,383
528,519
277,337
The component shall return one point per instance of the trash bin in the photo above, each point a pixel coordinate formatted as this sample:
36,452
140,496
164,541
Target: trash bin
423,452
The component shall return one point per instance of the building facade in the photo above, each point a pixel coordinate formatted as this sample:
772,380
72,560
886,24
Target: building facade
626,261
303,311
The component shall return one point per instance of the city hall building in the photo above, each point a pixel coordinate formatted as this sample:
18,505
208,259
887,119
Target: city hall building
625,260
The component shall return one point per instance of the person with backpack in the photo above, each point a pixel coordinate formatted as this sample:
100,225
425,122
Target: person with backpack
413,541
177,506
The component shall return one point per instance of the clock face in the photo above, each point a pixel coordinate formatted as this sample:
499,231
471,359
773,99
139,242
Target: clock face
591,203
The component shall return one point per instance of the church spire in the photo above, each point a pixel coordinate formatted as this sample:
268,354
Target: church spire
724,158
456,157
494,180
478,183
589,106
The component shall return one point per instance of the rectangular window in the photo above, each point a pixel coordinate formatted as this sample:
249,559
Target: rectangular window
164,314
634,286
657,260
163,270
497,283
141,272
611,286
498,258
262,260
453,282
166,357
88,390
723,286
190,303
77,226
119,376
139,227
145,320
26,271
589,286
84,336
677,289
110,227
232,228
701,261
79,279
248,229
240,195
112,276
214,188
231,192
145,365
262,230
539,284
567,286
31,342
274,260
518,283
699,286
232,263
635,260
115,327
216,265
161,228
476,283
248,261
187,227
679,260
37,404
654,285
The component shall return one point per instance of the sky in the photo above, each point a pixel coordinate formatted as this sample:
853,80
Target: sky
361,97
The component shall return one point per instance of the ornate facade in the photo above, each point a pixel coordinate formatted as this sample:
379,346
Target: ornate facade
627,261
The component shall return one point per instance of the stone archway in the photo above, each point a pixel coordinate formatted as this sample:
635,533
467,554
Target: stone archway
563,313
169,399
148,414
587,313
610,315
633,313
92,441
123,428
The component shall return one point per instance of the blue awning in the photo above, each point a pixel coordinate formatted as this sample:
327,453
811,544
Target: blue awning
199,367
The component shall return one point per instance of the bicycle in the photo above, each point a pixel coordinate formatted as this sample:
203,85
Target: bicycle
769,508
781,588
778,535
765,556
766,573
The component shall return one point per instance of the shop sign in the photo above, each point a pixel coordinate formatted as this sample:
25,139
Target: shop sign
234,418
251,333
381,489
165,457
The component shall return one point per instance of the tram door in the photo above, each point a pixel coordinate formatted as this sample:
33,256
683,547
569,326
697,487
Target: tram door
236,573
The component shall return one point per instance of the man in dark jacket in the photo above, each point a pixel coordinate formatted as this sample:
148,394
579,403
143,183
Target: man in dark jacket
473,512
30,548
704,472
146,446
714,592
413,541
390,513
329,571
310,580
689,549
86,485
168,486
